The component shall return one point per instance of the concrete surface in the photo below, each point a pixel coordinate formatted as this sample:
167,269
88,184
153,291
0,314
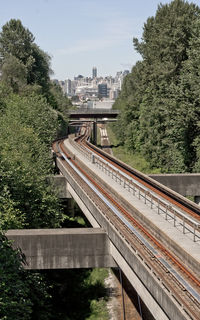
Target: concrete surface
63,248
172,237
59,184
93,113
148,285
187,184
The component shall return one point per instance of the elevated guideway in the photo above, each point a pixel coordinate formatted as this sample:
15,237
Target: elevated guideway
93,115
84,113
164,270
174,234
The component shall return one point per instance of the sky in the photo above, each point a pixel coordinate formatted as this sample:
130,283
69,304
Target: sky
82,34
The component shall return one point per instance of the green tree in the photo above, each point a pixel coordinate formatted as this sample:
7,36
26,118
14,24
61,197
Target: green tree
21,60
24,295
59,101
14,300
5,91
14,73
158,123
27,127
28,124
17,41
189,102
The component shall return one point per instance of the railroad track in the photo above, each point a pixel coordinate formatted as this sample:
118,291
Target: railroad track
152,191
175,277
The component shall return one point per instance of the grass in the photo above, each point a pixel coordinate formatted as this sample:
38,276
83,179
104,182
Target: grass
98,304
98,310
135,160
98,274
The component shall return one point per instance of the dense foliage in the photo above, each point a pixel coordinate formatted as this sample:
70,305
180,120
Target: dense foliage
23,295
79,287
22,62
27,126
160,98
32,114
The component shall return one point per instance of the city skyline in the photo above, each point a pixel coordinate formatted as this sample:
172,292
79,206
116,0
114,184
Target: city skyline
92,74
81,34
93,87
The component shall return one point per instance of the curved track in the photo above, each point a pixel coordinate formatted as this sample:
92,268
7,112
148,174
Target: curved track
186,280
169,195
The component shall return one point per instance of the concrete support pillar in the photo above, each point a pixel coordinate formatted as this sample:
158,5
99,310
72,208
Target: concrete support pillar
197,200
59,184
95,132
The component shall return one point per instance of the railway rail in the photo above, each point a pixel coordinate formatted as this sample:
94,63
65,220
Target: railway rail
168,202
181,282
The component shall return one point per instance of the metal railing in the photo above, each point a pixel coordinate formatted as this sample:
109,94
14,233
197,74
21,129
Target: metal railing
141,192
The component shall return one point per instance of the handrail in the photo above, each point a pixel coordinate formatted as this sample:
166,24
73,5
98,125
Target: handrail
139,191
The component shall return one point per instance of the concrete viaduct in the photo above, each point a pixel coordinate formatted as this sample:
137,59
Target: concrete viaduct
95,116
82,247
103,245
84,113
100,246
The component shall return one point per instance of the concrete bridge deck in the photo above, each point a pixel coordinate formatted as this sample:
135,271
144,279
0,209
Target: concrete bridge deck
85,248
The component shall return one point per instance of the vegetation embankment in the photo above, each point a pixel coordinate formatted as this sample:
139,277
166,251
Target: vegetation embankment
160,98
134,159
33,112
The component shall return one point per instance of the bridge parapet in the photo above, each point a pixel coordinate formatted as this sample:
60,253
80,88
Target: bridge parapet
63,248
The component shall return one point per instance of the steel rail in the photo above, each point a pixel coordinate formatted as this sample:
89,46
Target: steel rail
164,204
155,253
180,201
193,210
158,244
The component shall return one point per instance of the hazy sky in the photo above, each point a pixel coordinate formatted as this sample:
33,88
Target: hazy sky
80,34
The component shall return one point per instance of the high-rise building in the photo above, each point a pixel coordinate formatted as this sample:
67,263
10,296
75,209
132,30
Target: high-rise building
68,84
94,72
102,90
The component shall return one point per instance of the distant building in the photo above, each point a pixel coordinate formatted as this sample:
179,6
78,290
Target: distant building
105,104
125,73
79,77
94,87
68,84
94,72
102,90
113,94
